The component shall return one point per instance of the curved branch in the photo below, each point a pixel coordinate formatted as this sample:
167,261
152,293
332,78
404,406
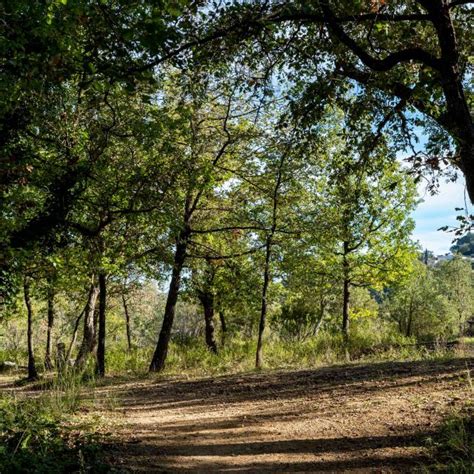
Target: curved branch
385,64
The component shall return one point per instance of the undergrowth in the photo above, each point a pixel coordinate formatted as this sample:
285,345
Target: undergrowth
39,434
191,356
453,447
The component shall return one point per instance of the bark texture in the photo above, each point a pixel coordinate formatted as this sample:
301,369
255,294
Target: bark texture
161,351
48,362
127,323
100,369
207,301
88,339
32,372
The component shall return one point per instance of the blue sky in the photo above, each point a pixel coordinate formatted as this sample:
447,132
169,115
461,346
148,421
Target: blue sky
437,211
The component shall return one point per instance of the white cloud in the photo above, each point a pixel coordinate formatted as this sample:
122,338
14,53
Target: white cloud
437,211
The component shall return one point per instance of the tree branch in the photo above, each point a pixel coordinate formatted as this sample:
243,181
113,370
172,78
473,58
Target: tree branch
405,55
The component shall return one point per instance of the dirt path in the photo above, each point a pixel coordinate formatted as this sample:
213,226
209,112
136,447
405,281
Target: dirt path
353,418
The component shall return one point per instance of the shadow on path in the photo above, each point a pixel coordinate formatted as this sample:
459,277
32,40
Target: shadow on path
233,423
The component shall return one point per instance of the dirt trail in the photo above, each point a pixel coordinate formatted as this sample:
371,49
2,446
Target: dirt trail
353,418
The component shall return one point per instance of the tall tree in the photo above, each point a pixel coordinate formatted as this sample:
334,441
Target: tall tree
363,203
274,221
100,369
209,135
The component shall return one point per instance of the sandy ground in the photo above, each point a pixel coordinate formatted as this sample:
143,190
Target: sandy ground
352,418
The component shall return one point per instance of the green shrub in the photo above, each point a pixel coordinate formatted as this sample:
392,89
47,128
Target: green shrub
453,447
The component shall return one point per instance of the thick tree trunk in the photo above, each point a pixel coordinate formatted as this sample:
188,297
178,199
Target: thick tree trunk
100,369
48,363
223,327
88,339
458,120
32,372
263,311
207,301
127,323
159,357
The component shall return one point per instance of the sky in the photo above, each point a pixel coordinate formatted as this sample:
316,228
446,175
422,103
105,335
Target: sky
437,211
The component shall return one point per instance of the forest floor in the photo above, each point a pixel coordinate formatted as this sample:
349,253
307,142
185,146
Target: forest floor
361,417
374,417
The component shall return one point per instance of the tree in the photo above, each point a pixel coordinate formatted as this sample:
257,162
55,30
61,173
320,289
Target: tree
279,169
48,363
203,280
456,284
464,245
207,138
419,308
409,59
363,204
89,339
65,58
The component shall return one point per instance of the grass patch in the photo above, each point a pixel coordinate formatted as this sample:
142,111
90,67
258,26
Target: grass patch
42,435
192,358
453,448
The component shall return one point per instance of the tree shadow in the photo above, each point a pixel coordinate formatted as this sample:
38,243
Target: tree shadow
234,440
275,385
343,454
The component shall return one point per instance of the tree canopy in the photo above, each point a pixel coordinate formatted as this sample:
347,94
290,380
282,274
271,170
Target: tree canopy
258,159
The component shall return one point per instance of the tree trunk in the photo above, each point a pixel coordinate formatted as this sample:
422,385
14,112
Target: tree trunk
458,119
263,311
159,357
61,358
32,372
322,311
409,323
223,327
74,333
410,319
345,309
88,339
207,301
467,167
345,294
48,363
100,369
127,323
